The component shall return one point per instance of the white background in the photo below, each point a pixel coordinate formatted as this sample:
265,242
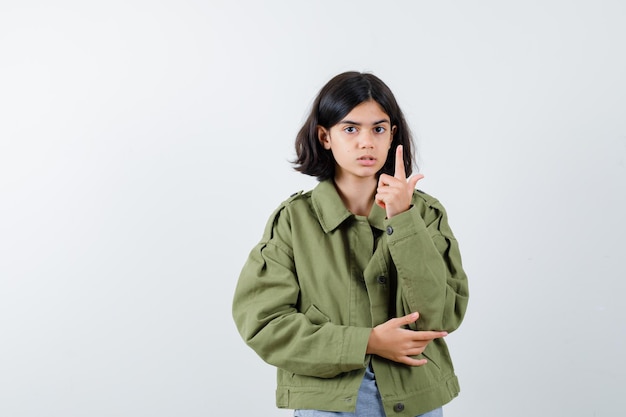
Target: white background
143,145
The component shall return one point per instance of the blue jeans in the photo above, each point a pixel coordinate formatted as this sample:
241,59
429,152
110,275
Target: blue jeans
368,403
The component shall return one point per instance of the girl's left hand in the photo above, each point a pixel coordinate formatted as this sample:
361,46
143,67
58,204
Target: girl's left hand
394,194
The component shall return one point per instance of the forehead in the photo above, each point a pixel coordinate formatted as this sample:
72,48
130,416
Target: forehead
369,112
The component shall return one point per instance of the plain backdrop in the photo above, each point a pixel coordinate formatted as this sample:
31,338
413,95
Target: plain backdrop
144,144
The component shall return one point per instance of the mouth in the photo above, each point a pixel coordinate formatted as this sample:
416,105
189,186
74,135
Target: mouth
366,160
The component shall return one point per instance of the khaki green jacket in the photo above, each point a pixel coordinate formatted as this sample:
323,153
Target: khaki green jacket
321,278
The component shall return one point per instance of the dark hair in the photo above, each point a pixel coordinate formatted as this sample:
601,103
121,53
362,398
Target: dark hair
335,100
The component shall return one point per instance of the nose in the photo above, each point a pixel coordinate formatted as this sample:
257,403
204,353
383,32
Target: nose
366,139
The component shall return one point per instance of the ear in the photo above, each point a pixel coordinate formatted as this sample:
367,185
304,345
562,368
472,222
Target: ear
323,135
393,133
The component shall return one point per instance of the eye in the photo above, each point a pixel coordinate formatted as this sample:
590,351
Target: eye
380,129
349,129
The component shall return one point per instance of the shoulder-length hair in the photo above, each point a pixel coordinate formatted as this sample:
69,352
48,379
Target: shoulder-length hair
335,100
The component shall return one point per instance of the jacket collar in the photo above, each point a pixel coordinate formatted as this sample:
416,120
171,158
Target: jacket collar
331,211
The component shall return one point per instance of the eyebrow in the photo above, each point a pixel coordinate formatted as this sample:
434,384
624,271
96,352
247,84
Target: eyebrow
350,122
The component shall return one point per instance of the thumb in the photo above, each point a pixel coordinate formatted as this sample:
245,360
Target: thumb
414,179
409,318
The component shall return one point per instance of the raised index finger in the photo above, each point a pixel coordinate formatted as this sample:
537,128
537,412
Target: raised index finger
399,172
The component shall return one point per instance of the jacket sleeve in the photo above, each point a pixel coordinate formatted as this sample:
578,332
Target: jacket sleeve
431,279
265,312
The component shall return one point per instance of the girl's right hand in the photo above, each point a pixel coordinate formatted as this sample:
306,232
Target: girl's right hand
392,341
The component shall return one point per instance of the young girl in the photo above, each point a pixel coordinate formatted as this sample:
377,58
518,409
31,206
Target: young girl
354,284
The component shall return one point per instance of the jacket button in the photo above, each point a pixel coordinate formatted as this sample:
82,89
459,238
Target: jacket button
398,407
382,280
389,230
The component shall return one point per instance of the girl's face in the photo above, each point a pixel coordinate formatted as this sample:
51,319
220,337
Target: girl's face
359,142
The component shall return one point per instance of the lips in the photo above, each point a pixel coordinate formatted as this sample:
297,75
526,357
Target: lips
367,160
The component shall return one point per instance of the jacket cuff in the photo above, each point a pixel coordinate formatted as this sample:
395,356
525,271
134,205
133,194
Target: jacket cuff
404,225
354,348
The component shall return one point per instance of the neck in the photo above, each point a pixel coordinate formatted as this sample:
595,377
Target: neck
357,194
